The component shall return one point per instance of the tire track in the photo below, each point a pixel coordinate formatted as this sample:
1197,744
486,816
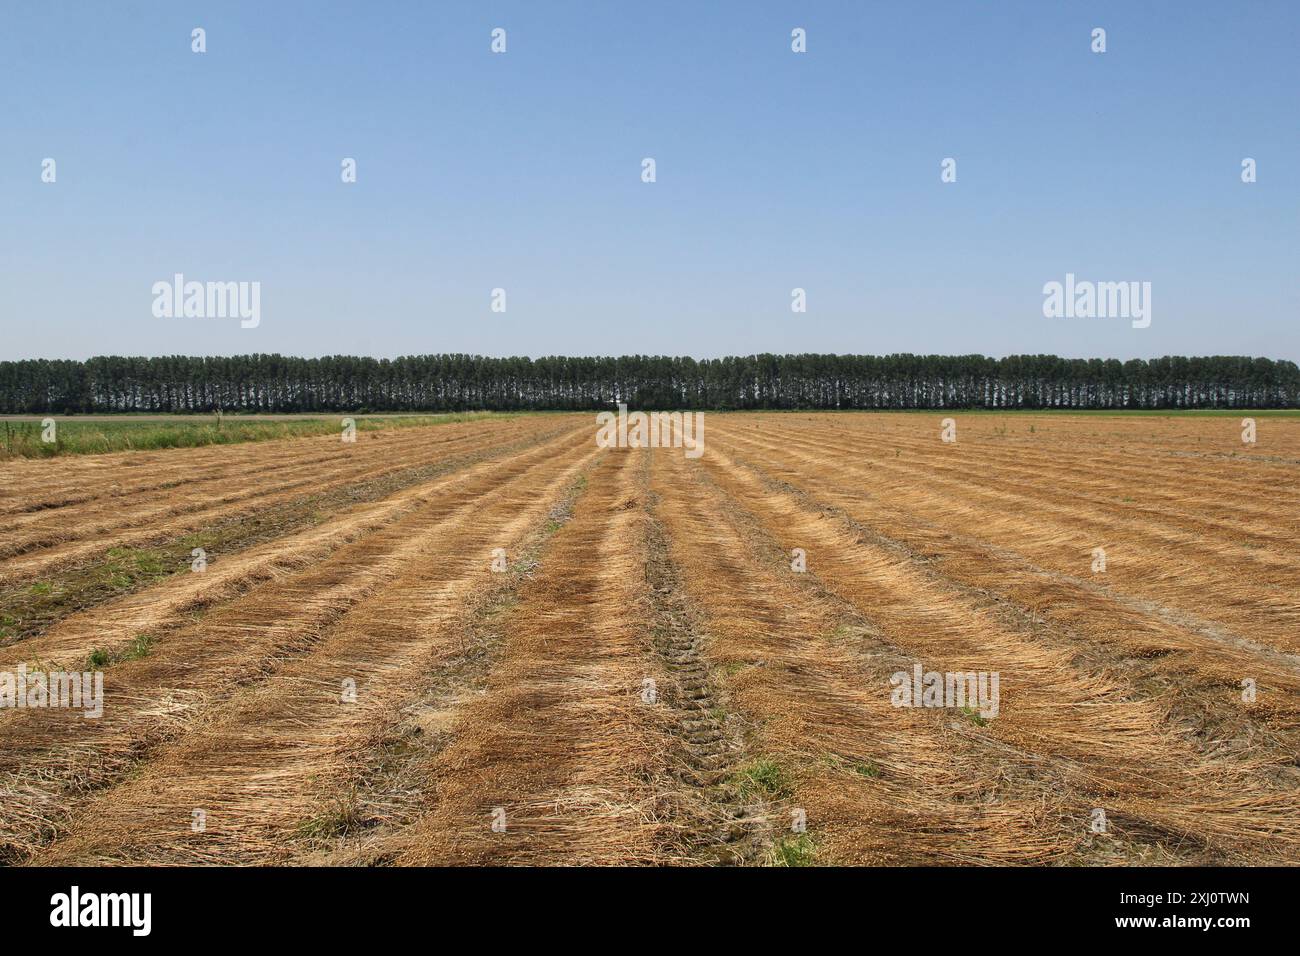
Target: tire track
808,676
718,823
560,751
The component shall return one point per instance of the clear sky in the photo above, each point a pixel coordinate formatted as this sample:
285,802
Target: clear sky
775,170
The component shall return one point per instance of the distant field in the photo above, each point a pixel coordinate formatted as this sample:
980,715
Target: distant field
494,642
21,437
1048,412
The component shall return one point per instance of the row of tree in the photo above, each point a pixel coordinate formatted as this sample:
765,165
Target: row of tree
277,383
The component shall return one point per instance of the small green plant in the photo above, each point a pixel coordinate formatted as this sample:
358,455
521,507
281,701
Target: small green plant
974,717
41,587
761,778
344,816
792,851
148,563
138,648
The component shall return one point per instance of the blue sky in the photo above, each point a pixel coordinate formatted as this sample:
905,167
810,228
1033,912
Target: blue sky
775,170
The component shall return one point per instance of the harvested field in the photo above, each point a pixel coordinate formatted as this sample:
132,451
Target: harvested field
491,641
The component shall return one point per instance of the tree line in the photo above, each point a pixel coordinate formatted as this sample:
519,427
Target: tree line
277,383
